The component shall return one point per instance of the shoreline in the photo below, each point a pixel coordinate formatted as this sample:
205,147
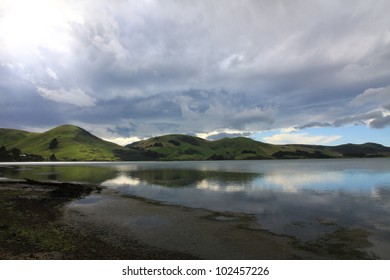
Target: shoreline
42,222
32,226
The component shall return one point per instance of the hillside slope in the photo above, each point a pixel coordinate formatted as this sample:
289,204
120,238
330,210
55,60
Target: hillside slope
66,142
12,136
184,147
72,143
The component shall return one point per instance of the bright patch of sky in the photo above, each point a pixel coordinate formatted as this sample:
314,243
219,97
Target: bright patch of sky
325,136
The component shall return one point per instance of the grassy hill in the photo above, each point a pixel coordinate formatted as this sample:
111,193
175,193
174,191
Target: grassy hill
69,143
363,150
184,147
66,142
11,136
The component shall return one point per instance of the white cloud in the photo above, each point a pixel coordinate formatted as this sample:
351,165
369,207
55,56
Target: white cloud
51,73
288,129
301,138
76,97
26,26
120,181
123,140
294,181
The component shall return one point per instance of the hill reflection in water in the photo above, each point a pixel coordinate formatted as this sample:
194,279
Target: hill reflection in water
301,198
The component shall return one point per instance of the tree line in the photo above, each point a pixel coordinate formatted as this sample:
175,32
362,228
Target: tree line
16,154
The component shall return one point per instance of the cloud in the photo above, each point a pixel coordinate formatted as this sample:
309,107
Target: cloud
185,67
358,119
376,97
361,119
223,133
51,73
122,140
301,138
381,122
76,97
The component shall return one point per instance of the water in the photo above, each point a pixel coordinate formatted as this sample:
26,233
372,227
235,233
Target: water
301,198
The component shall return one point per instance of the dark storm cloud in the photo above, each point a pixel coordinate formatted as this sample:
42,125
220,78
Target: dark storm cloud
143,68
177,113
375,117
380,122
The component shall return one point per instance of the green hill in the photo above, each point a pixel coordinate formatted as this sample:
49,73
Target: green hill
11,136
363,150
70,143
66,142
174,147
184,147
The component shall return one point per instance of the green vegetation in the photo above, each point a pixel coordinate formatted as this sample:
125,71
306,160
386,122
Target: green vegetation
9,136
72,143
184,147
66,143
186,177
15,154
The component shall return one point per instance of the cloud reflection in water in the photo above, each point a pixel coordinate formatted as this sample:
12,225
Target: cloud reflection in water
297,201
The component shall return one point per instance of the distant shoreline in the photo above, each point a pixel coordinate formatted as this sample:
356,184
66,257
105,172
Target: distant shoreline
183,160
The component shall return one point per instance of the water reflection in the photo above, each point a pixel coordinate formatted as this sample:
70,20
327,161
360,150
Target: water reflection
293,182
300,202
59,172
122,180
301,198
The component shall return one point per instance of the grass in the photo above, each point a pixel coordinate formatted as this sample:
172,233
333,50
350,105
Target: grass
182,147
74,143
77,144
10,136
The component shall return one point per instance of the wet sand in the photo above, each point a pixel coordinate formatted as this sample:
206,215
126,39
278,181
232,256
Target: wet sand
202,233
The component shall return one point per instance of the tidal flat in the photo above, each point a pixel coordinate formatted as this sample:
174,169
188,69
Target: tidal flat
32,226
43,220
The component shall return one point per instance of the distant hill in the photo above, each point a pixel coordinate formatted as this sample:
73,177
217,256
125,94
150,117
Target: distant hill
66,142
72,143
184,147
363,150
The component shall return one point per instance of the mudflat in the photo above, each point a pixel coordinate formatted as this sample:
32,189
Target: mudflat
45,221
32,226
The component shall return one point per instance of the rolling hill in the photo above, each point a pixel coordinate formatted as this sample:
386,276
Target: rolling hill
184,147
9,136
72,143
66,142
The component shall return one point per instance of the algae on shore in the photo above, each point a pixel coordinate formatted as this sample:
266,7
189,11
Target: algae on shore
31,226
41,220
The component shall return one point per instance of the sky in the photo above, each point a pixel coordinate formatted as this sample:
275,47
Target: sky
310,72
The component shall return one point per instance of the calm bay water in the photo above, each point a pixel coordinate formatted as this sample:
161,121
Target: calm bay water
301,198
